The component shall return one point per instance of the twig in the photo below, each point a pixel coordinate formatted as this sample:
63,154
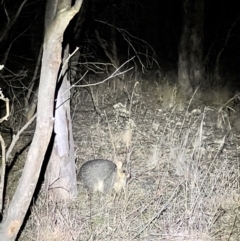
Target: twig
158,213
16,137
237,95
70,55
114,74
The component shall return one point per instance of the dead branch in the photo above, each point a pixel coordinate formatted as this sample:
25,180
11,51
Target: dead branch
133,41
114,74
12,21
16,137
6,100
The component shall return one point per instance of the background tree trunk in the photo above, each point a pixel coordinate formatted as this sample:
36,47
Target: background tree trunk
190,55
51,62
183,60
196,66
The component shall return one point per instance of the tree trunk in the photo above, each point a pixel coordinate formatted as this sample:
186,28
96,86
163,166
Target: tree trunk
196,67
51,62
190,64
60,178
183,61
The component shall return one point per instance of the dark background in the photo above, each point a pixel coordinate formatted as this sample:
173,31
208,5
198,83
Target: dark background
157,22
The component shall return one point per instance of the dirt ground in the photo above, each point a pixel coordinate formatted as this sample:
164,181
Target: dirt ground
183,156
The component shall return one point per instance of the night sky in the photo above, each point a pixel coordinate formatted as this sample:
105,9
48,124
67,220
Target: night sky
159,23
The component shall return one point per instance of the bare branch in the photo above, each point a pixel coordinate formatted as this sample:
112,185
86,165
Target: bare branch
6,100
10,24
130,39
114,74
16,137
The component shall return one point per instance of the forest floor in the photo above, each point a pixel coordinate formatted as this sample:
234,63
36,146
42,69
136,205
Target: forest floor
183,156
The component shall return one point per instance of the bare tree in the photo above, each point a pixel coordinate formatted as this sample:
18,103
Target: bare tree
60,177
61,14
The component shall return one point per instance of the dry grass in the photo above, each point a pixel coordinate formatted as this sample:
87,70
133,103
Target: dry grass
169,95
217,97
184,174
